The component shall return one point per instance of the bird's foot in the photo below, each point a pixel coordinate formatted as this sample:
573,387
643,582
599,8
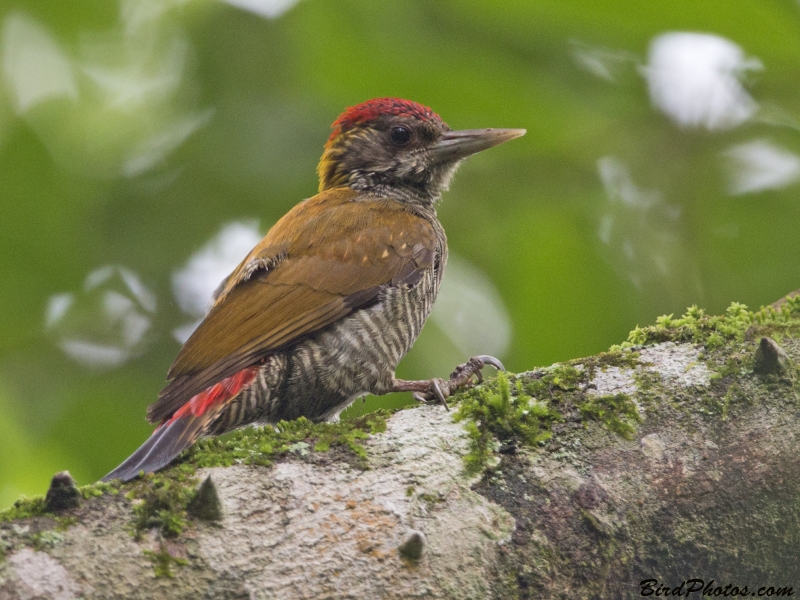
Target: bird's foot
439,389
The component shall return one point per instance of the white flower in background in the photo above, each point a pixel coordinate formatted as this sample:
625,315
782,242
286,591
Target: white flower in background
694,79
35,67
271,9
128,109
194,284
106,324
760,165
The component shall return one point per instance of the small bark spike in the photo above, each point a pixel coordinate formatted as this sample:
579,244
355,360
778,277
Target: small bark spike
205,504
63,493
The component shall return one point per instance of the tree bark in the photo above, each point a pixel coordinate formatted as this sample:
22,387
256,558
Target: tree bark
706,488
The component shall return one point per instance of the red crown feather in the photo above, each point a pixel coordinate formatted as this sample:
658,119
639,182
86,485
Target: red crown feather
377,107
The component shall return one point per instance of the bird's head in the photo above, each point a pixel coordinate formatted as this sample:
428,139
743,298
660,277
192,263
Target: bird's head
399,148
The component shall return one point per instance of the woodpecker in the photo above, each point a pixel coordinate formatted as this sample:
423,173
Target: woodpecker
321,311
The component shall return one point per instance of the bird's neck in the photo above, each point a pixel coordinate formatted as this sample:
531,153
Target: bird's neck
407,194
376,184
427,191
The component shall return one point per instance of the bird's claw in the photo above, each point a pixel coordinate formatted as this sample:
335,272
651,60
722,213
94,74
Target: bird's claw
460,377
436,386
438,389
491,360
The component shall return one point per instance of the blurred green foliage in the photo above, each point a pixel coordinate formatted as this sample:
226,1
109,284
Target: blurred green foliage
131,132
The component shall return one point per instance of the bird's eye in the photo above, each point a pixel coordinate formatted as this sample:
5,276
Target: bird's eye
400,135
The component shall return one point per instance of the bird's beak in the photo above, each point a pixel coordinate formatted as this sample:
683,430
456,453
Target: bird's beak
455,145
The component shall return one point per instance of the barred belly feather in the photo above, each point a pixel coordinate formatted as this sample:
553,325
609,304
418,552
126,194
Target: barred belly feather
325,373
322,375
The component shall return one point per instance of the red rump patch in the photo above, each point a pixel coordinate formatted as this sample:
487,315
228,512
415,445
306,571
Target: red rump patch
217,394
372,109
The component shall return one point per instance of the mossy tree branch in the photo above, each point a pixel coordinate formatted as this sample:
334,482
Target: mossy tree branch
672,457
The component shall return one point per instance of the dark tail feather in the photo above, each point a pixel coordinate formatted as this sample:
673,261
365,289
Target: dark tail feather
161,448
185,425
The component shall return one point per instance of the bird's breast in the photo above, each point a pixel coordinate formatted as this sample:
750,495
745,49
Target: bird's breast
359,353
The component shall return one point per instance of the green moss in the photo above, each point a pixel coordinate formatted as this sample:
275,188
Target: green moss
729,348
64,523
504,416
554,381
617,412
35,507
733,393
93,490
23,509
617,356
432,498
160,501
495,416
648,386
41,534
46,539
260,446
697,327
163,562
